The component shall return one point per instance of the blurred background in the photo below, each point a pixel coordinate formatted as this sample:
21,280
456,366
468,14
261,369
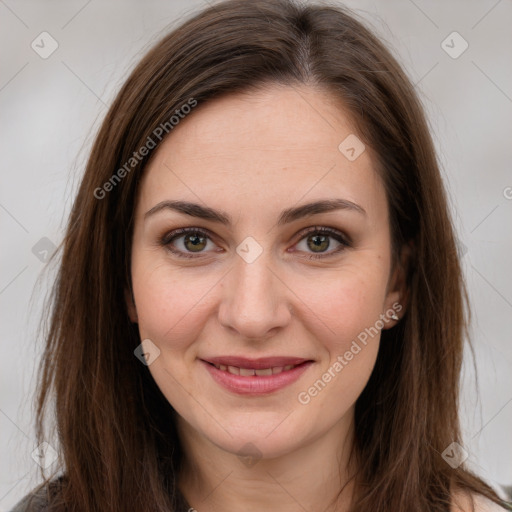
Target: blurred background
62,63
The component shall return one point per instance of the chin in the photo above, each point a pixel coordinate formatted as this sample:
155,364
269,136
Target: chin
264,435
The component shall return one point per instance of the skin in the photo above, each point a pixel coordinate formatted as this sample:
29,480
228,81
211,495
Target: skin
253,155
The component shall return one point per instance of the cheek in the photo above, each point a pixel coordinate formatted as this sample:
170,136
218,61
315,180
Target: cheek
347,308
351,308
345,302
170,305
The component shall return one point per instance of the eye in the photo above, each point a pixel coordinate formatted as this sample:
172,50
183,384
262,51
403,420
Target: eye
317,240
195,240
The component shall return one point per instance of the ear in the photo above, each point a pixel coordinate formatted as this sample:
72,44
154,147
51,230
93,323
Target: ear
130,304
397,295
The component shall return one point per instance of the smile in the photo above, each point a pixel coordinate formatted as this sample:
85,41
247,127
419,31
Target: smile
257,378
247,372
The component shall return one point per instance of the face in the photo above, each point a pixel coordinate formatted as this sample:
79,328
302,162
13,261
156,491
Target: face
289,307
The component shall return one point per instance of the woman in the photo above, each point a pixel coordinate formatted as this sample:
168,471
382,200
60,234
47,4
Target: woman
260,304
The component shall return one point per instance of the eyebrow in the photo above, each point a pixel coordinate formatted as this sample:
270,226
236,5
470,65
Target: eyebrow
286,216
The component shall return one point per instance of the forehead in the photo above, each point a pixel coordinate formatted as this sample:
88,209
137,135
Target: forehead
275,145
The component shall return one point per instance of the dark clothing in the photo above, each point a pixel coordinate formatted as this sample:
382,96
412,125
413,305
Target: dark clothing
38,501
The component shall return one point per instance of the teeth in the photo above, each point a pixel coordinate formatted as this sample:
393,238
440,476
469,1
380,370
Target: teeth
248,372
266,371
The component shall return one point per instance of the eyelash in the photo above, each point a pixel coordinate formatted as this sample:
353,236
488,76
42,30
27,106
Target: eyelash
338,236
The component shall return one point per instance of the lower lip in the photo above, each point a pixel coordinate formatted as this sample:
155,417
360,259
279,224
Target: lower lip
255,384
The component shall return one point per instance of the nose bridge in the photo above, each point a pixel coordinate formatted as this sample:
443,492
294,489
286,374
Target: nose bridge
254,301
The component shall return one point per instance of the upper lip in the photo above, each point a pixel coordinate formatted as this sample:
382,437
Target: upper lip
256,364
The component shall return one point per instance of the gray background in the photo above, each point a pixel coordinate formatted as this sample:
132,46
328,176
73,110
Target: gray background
51,109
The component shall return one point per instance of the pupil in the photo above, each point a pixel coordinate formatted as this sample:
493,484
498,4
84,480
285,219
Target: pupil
196,240
318,240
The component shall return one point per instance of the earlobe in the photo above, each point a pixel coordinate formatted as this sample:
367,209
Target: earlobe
397,296
130,304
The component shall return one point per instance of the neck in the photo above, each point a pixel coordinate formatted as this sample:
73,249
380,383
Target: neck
316,476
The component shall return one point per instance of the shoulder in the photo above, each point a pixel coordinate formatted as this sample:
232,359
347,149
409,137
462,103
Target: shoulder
461,502
37,500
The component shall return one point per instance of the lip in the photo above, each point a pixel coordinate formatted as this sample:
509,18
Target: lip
256,385
257,364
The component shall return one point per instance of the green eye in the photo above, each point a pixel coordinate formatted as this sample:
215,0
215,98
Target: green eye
195,240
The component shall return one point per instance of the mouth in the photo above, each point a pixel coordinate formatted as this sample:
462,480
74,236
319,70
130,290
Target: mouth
248,372
255,376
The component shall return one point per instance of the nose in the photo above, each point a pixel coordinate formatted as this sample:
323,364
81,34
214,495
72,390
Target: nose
255,300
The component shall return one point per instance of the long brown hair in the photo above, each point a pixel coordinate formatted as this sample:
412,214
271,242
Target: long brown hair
115,429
